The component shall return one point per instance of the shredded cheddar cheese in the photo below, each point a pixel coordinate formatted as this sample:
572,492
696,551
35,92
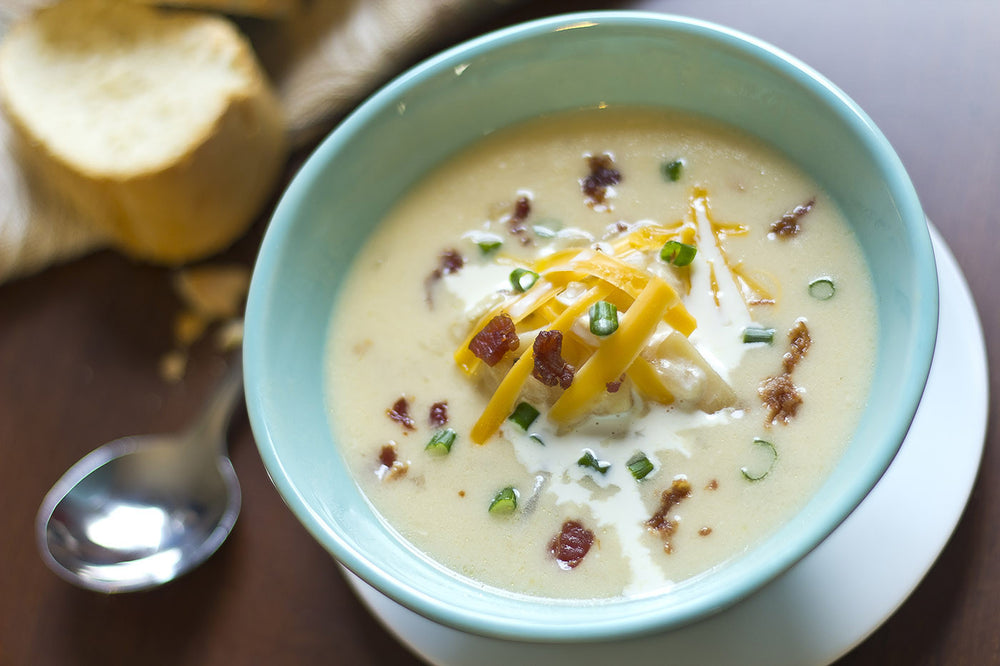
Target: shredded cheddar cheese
505,397
649,305
616,354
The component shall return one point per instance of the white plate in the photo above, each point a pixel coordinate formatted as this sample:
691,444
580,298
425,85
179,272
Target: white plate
842,591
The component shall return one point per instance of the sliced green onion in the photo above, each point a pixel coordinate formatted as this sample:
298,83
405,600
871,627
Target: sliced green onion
753,334
639,465
537,439
672,170
505,501
588,459
822,289
487,242
772,455
603,318
441,442
523,415
522,279
487,246
677,253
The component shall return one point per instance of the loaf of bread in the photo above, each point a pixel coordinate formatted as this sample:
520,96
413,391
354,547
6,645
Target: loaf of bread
159,126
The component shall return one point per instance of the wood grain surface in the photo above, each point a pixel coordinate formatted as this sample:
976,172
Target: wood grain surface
79,346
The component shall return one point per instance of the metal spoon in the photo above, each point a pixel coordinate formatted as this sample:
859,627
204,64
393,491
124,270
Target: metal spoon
140,511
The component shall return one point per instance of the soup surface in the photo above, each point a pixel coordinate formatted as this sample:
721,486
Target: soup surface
600,353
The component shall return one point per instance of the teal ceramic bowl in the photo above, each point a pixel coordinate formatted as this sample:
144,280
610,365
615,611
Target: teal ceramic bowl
443,104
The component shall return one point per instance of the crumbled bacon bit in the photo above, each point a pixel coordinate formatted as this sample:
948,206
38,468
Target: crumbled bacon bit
615,385
400,413
660,523
497,338
602,175
571,545
390,467
461,493
800,341
781,397
550,367
387,456
705,531
449,261
788,225
712,485
438,414
779,393
515,223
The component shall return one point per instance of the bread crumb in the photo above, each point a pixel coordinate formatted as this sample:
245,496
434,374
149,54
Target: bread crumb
229,336
214,291
173,365
212,296
188,327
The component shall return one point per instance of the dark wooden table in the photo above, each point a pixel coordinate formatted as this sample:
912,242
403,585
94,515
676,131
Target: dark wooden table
79,346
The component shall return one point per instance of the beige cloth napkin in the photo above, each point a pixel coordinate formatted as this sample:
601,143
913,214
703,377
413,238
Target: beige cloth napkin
323,57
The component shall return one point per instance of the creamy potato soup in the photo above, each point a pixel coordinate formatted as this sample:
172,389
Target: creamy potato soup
601,353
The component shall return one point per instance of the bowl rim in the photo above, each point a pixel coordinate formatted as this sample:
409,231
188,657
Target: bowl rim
280,228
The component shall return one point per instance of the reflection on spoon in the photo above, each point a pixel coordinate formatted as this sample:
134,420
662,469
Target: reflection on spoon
140,511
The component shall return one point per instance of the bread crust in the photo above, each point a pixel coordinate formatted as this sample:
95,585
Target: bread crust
197,202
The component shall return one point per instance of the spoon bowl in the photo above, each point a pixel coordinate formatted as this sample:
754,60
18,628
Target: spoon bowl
140,511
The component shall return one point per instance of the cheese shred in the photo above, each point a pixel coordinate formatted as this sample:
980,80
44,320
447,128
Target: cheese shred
570,281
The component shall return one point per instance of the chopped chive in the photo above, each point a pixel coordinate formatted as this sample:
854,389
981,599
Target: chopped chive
505,501
672,170
822,289
537,439
639,465
603,318
486,241
441,442
753,334
522,279
487,246
588,459
677,253
543,232
523,415
772,454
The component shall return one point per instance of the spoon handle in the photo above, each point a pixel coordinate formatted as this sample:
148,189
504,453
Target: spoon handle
210,427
